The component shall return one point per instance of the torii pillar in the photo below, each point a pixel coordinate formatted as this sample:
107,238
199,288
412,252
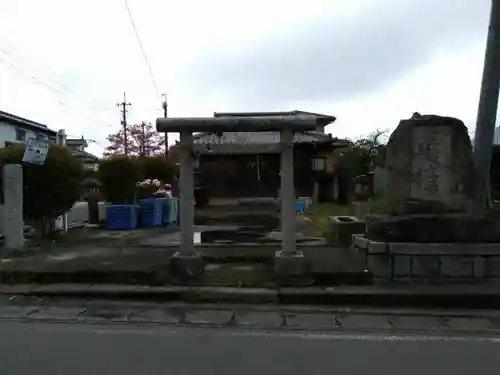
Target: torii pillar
288,260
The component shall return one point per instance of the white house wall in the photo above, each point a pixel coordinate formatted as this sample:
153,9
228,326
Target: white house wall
8,133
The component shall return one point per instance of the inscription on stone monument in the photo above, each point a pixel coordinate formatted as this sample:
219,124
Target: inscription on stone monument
431,148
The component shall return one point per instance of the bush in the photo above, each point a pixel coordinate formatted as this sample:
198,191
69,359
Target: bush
156,168
118,176
49,190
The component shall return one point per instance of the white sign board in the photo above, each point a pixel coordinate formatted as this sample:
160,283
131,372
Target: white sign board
35,152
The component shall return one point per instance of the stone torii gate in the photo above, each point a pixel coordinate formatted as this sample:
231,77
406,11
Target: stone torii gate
187,258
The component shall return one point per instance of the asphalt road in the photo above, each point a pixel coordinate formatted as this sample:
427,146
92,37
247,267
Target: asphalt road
61,348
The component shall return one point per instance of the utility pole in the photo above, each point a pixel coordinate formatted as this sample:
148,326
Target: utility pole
143,142
165,114
123,111
487,111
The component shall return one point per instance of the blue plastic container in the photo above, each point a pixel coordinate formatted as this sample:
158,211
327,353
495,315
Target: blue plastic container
121,216
173,207
164,209
300,207
150,213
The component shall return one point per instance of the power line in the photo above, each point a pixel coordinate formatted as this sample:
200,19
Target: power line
142,48
43,77
50,87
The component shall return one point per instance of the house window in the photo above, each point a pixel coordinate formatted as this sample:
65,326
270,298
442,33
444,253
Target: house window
20,135
40,137
319,164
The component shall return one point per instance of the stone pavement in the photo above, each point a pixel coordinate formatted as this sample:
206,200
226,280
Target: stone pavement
268,317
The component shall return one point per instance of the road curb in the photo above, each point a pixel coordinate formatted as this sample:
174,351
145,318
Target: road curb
435,297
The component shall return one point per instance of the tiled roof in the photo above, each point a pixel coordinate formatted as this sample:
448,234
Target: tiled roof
88,157
240,138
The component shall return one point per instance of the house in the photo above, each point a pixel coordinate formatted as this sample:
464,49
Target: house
78,145
247,164
15,129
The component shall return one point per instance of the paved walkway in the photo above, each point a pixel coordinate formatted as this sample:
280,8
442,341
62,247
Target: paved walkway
273,317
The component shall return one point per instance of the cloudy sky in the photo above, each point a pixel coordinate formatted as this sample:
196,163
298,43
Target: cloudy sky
66,63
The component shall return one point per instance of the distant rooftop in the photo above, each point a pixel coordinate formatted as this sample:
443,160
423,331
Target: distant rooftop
77,142
9,118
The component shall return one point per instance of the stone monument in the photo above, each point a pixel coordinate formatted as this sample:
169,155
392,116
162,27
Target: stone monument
429,165
426,230
13,222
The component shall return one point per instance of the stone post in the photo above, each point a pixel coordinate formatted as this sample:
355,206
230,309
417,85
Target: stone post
187,263
13,222
186,193
61,140
287,192
288,261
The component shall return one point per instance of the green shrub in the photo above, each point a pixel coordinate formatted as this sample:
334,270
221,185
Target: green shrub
49,190
156,167
119,176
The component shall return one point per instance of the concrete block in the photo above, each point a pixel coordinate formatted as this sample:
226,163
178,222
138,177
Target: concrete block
402,265
56,313
379,265
343,227
426,266
375,247
433,248
154,316
16,312
407,248
354,236
416,322
469,324
479,267
261,319
362,321
289,263
360,242
492,267
316,320
456,266
209,317
187,264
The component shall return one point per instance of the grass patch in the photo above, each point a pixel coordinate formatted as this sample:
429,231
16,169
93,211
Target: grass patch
320,214
380,204
56,240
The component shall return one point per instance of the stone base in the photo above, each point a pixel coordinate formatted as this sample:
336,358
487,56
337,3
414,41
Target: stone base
289,264
449,228
441,262
187,265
